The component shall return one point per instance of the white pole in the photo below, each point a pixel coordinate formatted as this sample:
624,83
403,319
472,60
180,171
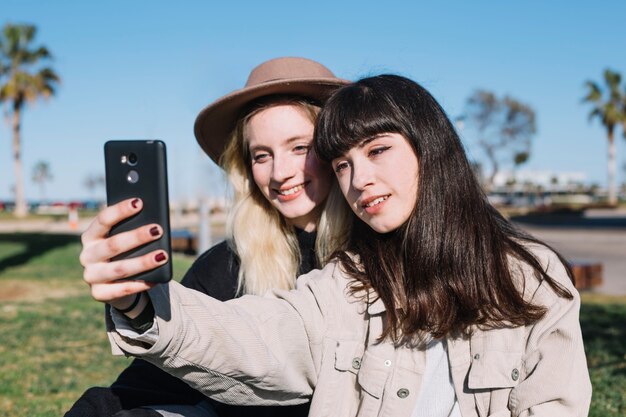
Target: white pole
204,229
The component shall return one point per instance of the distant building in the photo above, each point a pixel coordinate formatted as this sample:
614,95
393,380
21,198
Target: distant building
547,180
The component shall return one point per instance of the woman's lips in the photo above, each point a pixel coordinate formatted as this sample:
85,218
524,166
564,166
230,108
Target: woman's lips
288,194
375,204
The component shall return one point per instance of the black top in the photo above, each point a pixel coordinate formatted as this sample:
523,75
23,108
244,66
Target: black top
142,384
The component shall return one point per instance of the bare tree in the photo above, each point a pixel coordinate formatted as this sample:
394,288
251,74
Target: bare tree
502,126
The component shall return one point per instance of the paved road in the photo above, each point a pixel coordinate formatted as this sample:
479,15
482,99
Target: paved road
595,237
590,239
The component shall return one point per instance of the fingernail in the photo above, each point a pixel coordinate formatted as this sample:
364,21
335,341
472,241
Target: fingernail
135,203
160,257
154,231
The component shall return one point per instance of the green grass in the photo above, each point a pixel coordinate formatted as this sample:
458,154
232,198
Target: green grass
52,340
53,345
6,216
51,351
9,217
604,332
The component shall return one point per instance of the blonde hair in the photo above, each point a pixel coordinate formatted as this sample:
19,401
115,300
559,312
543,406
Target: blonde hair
266,245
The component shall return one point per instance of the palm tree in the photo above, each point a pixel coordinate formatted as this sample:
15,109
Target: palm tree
3,69
622,98
93,182
41,175
607,107
25,82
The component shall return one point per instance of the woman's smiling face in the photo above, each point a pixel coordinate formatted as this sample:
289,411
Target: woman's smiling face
379,179
284,166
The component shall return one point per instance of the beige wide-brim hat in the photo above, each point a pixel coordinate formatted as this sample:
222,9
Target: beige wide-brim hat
289,75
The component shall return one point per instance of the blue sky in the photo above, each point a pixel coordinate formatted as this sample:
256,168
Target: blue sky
144,69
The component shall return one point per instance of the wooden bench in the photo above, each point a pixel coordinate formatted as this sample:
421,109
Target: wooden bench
587,275
184,241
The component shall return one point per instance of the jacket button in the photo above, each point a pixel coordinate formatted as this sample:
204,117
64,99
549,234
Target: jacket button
356,363
403,393
515,374
477,356
387,362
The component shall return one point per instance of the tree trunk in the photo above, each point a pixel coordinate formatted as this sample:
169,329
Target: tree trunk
611,171
494,167
21,209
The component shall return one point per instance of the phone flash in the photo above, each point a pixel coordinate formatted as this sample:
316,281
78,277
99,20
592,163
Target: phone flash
124,159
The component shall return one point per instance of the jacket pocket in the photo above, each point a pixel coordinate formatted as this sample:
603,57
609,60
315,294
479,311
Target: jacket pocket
343,384
492,376
373,375
349,356
371,371
495,369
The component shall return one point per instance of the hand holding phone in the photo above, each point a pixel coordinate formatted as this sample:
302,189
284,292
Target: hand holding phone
138,169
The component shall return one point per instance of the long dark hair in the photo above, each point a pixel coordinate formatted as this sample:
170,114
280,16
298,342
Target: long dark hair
448,267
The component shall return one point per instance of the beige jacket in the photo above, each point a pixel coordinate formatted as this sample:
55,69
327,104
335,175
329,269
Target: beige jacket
318,343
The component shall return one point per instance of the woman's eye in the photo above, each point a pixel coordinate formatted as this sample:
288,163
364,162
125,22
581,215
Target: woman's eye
302,149
378,150
260,157
341,166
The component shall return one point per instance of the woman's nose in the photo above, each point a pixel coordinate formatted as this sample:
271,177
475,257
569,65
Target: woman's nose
362,176
284,168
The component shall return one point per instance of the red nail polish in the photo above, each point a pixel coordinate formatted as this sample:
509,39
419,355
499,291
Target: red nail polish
154,231
135,203
160,257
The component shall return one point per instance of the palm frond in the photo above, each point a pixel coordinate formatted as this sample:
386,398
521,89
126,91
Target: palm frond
25,82
596,112
594,93
612,79
609,103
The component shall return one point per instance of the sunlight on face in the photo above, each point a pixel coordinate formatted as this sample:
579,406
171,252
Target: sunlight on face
284,165
379,179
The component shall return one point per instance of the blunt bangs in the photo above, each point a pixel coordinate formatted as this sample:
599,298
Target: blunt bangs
354,113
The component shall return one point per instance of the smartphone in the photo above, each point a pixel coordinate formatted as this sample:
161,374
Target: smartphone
138,169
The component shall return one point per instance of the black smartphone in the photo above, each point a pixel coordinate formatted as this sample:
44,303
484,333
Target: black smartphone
138,168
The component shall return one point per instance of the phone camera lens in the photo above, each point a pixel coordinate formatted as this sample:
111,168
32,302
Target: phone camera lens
132,177
132,159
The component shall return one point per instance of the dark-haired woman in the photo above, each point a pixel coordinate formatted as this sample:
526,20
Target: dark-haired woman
437,306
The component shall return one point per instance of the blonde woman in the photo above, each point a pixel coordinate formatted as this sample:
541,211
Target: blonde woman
287,218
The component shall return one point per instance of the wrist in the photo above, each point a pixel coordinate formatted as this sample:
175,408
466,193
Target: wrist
133,306
145,319
123,303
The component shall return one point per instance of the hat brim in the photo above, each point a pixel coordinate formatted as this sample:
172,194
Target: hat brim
215,123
